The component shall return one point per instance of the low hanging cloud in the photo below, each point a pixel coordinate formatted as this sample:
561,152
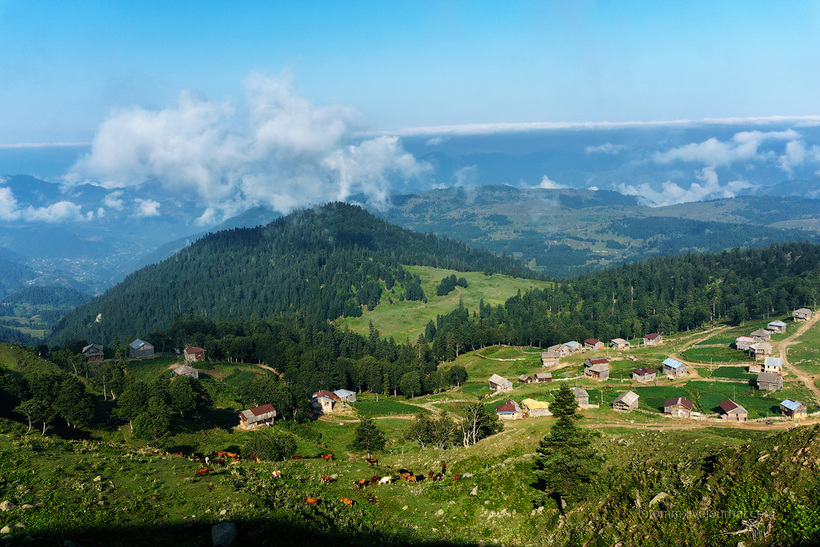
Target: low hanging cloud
61,211
549,184
671,193
146,208
287,153
607,148
796,154
744,146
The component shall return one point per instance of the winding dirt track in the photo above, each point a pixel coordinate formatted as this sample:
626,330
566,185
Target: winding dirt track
799,374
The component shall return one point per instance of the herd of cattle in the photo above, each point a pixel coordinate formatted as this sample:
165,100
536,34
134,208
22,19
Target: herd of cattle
230,458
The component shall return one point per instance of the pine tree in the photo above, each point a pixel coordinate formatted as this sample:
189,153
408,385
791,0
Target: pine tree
368,438
567,463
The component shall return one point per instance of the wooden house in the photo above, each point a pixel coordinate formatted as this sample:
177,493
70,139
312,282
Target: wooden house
345,395
733,412
755,367
597,361
543,377
140,348
525,379
597,372
549,358
500,384
93,352
773,364
803,314
509,411
793,409
186,370
673,368
776,326
626,402
644,374
593,344
574,347
769,381
619,344
193,354
760,350
561,349
581,397
258,415
535,408
652,339
761,335
679,407
323,401
743,342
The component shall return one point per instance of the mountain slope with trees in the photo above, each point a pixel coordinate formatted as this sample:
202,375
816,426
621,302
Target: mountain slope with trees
328,261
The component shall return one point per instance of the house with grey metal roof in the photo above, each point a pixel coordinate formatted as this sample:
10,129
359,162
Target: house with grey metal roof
773,364
776,326
673,368
619,344
186,370
140,348
597,372
93,352
345,395
581,397
499,384
802,314
626,401
793,409
769,381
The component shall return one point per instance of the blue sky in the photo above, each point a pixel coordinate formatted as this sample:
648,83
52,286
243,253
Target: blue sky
66,67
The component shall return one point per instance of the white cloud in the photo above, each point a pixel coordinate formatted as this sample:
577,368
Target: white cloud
146,208
712,152
435,141
796,154
671,193
550,184
61,211
8,205
287,153
606,148
466,176
114,201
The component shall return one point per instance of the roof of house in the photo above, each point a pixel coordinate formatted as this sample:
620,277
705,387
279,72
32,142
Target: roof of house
579,392
628,397
591,341
773,362
532,404
761,346
509,406
683,401
194,349
761,333
325,393
550,354
524,378
619,341
730,406
769,377
672,363
185,369
264,409
137,343
498,380
744,338
95,346
342,393
599,361
644,371
599,368
777,323
572,344
791,405
802,310
652,336
541,375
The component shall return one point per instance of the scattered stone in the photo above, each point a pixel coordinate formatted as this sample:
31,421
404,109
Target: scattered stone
440,512
98,478
26,506
20,525
5,530
223,534
404,508
6,506
466,475
223,512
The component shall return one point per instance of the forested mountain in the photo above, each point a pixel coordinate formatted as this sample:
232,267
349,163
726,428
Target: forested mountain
564,232
328,261
664,295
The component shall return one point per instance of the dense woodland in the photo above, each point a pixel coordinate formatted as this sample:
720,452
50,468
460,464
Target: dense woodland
329,261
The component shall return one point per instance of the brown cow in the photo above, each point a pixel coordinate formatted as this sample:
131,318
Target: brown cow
374,479
276,474
457,476
310,500
327,480
221,453
220,461
296,457
348,501
372,461
235,461
327,457
361,483
202,471
254,459
231,455
443,468
430,474
437,477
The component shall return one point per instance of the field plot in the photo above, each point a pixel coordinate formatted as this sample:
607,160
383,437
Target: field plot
708,355
805,354
735,373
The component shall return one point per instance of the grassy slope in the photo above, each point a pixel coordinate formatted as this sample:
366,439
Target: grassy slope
406,320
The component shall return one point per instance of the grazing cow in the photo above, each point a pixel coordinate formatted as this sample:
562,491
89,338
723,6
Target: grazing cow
443,468
372,461
202,471
348,501
419,478
231,455
221,453
327,457
327,480
374,479
203,461
406,475
220,461
296,457
235,461
456,477
276,474
430,474
179,455
386,480
403,471
310,500
254,459
361,483
412,478
437,477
